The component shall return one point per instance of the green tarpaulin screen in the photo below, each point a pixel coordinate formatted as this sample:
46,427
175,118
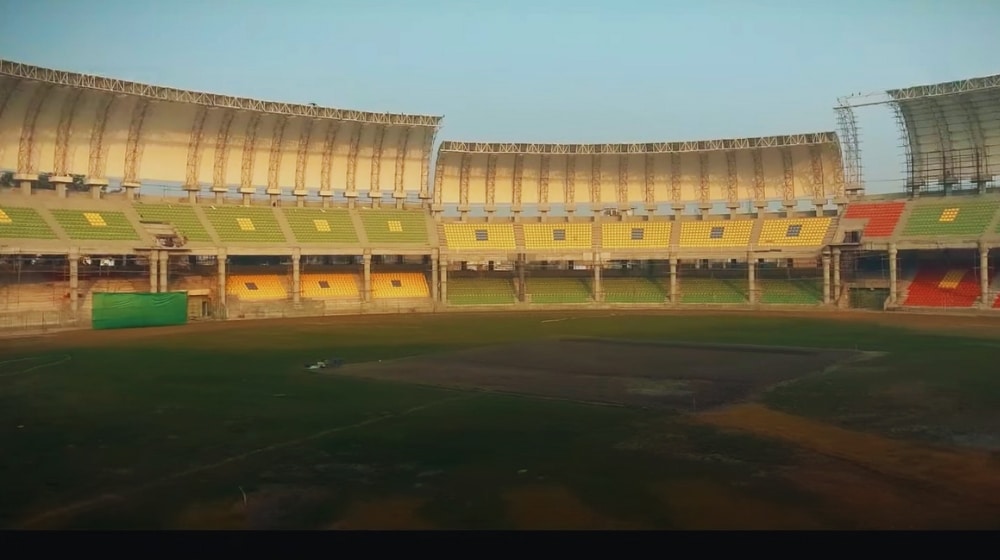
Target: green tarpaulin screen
127,310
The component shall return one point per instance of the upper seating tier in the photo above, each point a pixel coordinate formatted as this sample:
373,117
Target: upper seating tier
23,223
711,234
465,236
635,235
104,225
882,217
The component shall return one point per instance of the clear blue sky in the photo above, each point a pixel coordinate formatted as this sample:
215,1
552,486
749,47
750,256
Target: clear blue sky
536,71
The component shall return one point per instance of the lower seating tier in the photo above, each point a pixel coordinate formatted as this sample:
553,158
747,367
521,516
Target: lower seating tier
481,291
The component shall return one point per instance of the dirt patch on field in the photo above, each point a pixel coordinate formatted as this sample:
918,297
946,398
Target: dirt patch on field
973,476
555,508
704,504
399,513
646,374
222,515
855,498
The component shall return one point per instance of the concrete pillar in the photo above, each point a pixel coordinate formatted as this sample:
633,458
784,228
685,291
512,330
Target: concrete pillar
131,187
444,280
154,274
164,269
521,287
673,280
752,278
296,279
826,278
222,278
836,273
62,183
96,186
192,192
598,289
984,274
367,295
435,264
25,180
892,274
74,281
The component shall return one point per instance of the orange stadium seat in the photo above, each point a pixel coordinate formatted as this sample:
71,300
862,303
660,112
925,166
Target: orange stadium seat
943,287
882,217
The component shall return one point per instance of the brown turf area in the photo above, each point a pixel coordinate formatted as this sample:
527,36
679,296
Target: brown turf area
633,373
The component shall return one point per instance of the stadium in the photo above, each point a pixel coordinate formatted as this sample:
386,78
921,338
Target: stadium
302,211
348,229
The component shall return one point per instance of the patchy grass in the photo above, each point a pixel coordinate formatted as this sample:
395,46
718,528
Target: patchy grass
171,428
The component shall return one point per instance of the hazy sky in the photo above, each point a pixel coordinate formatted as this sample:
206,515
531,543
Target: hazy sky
536,71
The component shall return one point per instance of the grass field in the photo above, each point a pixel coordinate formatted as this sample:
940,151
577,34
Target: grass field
507,421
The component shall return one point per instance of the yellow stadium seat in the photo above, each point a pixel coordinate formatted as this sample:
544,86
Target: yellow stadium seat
558,236
794,232
952,279
467,236
632,235
386,285
715,233
95,219
4,218
320,286
257,287
948,215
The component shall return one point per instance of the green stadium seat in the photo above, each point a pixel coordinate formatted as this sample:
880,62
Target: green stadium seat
181,217
23,223
558,290
633,290
101,225
393,226
245,224
957,217
481,291
321,225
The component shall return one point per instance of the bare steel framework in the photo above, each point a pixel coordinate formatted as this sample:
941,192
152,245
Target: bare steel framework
949,133
645,148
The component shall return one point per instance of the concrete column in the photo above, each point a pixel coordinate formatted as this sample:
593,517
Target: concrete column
673,280
222,278
892,274
521,287
836,273
826,278
367,295
752,278
154,274
131,188
61,182
164,269
25,181
296,281
96,186
74,281
435,265
444,280
598,289
984,274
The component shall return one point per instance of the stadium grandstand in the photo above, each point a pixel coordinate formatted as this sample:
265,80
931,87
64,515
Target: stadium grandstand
284,210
